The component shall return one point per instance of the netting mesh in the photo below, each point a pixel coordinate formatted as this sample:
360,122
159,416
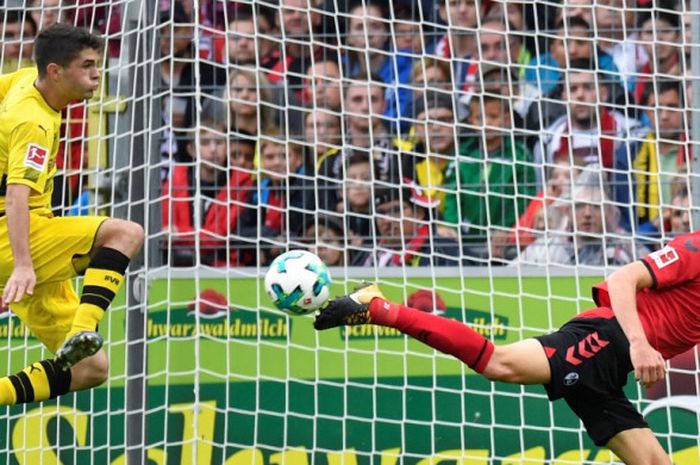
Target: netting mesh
485,160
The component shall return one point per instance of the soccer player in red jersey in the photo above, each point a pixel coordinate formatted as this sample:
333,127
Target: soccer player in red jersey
648,311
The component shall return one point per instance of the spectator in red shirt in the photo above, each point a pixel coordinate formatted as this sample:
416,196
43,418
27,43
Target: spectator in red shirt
647,313
221,186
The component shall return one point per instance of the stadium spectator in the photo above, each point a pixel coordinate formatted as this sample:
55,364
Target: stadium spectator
574,41
680,213
591,134
430,73
294,51
370,52
405,236
221,186
492,179
407,31
617,35
284,195
593,236
365,128
660,35
242,48
663,155
436,143
104,17
323,136
459,43
49,12
18,32
327,236
250,95
538,217
324,84
357,196
177,75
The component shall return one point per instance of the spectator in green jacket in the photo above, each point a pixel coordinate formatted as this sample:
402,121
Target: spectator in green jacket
492,180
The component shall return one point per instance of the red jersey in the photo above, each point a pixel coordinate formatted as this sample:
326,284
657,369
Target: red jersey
670,309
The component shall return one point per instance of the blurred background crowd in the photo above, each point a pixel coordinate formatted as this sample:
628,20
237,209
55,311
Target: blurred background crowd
409,133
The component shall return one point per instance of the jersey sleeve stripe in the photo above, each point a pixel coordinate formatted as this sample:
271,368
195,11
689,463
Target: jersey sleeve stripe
655,283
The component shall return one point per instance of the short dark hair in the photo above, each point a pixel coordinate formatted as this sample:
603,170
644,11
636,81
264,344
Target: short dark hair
61,44
662,86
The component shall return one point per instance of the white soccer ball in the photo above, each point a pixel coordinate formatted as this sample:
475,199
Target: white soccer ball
298,282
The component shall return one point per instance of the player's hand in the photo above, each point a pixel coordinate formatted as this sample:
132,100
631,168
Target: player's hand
21,282
649,365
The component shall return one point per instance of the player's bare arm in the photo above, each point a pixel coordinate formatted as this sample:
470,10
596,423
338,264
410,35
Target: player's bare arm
623,284
23,278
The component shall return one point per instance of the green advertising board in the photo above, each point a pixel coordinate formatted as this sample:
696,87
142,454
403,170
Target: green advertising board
237,384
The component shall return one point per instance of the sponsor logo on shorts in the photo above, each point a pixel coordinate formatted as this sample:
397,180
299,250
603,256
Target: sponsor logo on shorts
36,156
664,257
571,379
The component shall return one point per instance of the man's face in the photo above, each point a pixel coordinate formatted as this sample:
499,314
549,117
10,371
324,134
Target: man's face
589,218
361,99
436,129
81,78
322,129
326,84
175,40
357,187
241,42
369,23
295,18
663,44
494,43
392,216
667,119
680,215
459,13
581,95
17,40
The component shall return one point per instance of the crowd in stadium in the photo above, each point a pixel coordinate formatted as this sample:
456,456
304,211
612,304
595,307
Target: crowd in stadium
440,132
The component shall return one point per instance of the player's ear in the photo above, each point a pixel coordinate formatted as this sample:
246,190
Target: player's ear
54,70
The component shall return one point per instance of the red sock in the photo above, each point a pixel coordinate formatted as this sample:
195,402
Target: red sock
446,335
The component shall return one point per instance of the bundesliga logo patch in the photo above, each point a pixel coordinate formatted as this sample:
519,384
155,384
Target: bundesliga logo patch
664,257
36,157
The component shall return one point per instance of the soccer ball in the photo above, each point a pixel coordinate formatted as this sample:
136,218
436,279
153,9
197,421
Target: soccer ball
298,282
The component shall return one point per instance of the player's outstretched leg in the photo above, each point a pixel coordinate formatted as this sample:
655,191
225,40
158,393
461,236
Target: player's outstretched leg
524,362
115,243
48,379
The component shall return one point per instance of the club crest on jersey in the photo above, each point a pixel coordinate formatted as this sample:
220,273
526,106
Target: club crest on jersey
36,157
664,257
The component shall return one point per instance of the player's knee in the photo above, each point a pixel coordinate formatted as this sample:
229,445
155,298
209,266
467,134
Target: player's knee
137,233
92,371
123,235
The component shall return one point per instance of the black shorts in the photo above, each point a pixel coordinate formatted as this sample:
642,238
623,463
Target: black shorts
589,360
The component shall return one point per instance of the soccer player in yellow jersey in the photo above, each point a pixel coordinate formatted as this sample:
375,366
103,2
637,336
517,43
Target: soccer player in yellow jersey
40,253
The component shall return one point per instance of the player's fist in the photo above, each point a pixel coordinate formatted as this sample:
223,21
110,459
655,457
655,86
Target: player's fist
649,365
21,282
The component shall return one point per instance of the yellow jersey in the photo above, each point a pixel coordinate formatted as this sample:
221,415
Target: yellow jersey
29,139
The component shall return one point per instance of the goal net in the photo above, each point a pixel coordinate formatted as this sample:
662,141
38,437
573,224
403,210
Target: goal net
485,160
